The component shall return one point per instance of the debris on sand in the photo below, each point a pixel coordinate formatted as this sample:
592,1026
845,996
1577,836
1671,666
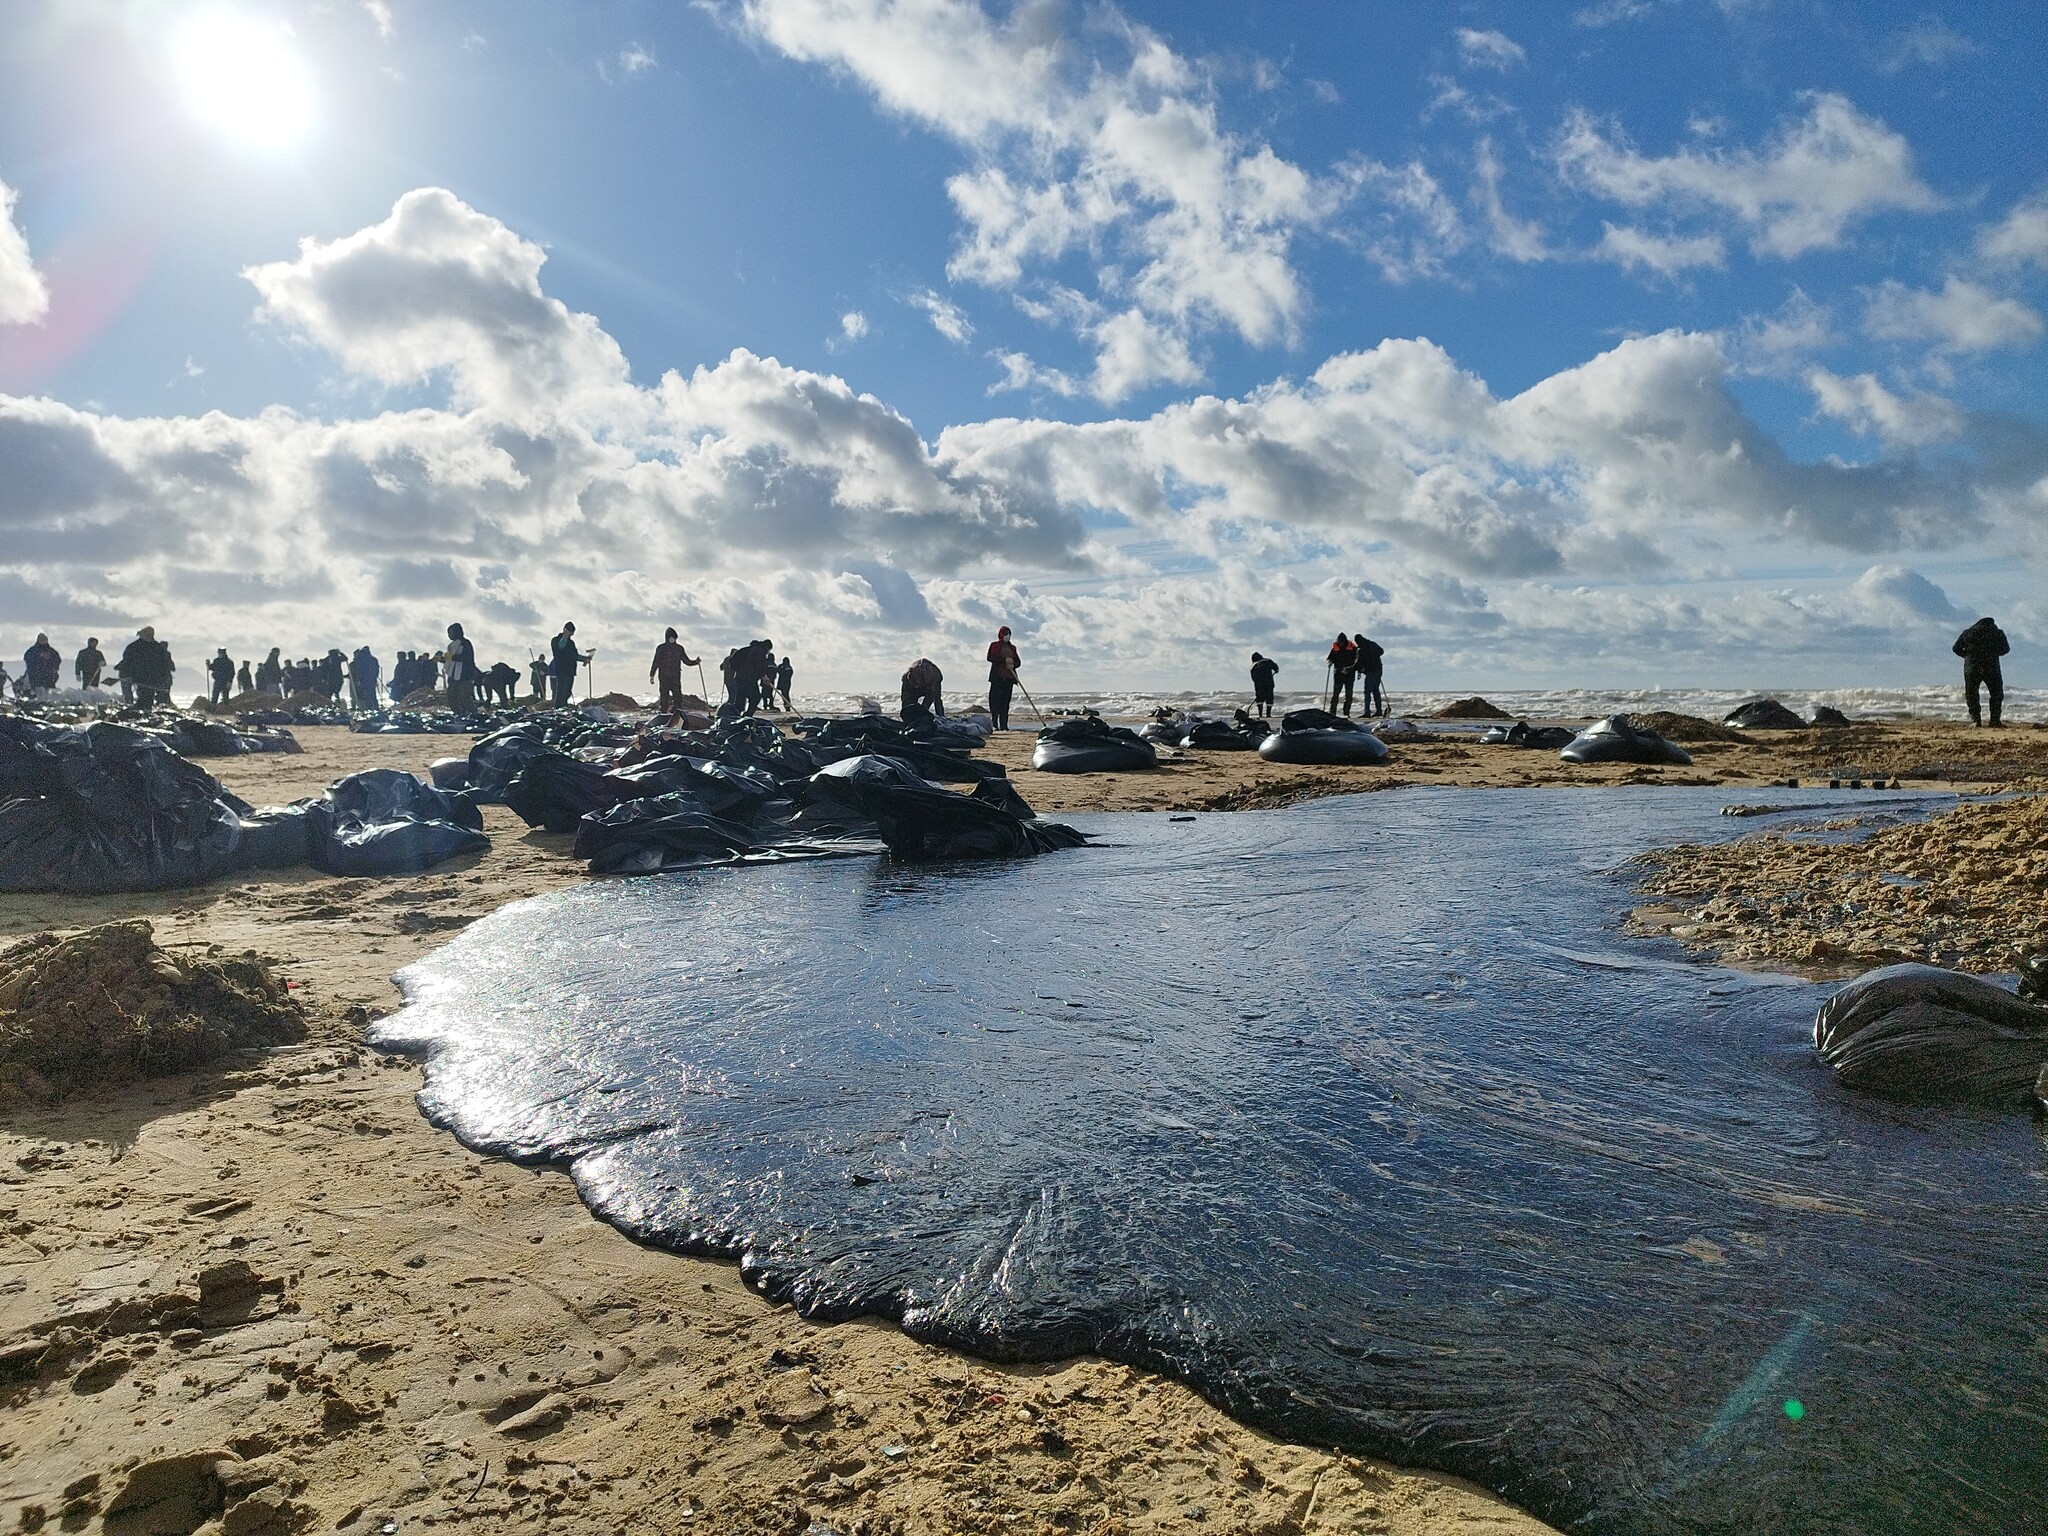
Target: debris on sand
1961,890
1474,708
107,1007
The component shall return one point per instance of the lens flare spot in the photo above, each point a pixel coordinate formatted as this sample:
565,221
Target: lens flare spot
241,78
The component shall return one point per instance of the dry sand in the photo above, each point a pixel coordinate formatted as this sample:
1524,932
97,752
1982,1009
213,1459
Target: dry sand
272,1296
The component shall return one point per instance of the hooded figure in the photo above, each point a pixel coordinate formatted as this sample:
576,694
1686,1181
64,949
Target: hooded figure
41,664
1371,661
244,683
90,664
362,678
1343,659
1263,668
1980,646
270,674
667,670
1003,662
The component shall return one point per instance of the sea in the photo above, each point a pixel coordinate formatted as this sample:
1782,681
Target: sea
1553,704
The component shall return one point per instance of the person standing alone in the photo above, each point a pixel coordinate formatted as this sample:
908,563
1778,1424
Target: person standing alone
90,664
1003,662
1980,646
221,669
667,670
40,665
563,661
1263,668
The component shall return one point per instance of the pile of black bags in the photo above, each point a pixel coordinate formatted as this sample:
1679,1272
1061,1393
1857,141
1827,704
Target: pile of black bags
105,808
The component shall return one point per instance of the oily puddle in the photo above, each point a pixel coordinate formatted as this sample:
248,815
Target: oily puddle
1360,1116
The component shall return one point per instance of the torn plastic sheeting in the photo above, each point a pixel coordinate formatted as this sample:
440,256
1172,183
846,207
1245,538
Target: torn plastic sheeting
1438,1170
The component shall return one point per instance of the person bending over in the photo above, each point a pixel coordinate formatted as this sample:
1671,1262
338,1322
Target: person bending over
1371,656
921,693
1263,669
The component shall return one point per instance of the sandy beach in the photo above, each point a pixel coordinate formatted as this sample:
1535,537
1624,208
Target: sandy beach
271,1297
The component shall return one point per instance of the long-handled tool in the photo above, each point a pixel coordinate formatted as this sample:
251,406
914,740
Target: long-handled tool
1330,685
1032,702
704,685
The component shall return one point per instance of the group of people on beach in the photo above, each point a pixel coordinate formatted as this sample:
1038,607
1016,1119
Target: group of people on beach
752,675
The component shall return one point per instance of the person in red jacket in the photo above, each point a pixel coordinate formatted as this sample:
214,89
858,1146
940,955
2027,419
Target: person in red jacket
1343,659
1003,662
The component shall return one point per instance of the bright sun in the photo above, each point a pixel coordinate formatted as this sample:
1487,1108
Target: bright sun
241,77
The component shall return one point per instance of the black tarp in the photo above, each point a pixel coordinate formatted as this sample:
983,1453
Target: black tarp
1617,739
1317,736
1091,745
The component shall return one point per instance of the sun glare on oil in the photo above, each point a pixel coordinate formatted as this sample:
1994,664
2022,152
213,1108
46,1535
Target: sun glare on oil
243,80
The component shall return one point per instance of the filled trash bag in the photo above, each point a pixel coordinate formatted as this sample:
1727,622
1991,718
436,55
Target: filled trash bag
496,760
744,795
1617,740
1220,736
1435,1166
1919,1032
554,791
107,808
1763,715
391,794
1091,745
449,772
278,837
1550,738
1827,714
372,849
1317,736
921,821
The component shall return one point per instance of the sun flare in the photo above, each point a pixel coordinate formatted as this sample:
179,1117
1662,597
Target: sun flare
241,77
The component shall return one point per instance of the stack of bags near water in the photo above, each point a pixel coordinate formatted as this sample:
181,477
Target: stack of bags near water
663,797
104,807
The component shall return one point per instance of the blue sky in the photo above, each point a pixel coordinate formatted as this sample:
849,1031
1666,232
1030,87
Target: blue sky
1104,321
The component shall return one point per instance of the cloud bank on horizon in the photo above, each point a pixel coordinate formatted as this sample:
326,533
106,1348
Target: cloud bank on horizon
1627,516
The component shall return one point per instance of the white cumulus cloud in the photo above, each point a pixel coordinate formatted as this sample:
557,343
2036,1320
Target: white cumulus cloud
1866,406
2020,237
1799,191
24,296
1960,317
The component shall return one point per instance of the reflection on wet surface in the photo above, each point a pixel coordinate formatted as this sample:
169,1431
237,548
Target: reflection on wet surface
1360,1116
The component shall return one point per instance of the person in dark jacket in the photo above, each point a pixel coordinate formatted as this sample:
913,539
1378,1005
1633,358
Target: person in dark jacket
220,668
244,683
462,672
537,671
1003,662
563,660
363,669
1343,659
41,664
785,674
666,671
270,674
90,664
1263,669
146,665
922,683
1980,646
1371,657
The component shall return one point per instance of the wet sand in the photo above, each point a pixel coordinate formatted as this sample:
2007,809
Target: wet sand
274,1291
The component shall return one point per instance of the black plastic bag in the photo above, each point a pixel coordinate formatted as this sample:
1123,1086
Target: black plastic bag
390,794
919,820
397,847
1618,740
554,791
